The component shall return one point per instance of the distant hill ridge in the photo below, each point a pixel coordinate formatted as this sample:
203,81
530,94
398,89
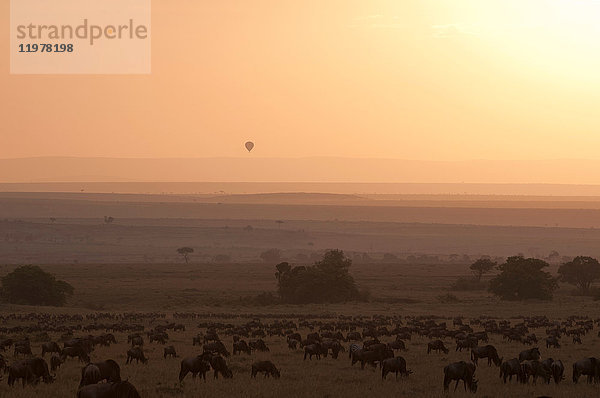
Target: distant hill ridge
299,170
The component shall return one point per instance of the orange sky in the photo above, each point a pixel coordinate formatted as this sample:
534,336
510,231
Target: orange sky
409,79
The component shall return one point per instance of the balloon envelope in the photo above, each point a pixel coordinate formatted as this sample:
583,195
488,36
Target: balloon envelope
249,145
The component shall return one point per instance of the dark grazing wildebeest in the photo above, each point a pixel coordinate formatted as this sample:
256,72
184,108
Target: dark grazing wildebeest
219,365
511,368
136,340
371,357
197,340
76,351
486,351
122,389
552,341
194,365
535,369
258,345
558,370
354,336
395,365
211,335
469,342
216,347
589,367
136,353
24,349
266,367
90,374
437,345
293,344
314,349
458,371
242,346
397,345
533,354
30,371
84,343
169,351
109,371
332,345
6,343
50,347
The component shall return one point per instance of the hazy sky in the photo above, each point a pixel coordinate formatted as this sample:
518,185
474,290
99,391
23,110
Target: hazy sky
412,79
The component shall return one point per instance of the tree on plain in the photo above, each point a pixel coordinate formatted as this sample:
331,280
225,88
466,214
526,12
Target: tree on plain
185,252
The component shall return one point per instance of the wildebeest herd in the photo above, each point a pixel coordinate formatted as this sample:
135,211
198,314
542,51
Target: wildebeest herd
35,347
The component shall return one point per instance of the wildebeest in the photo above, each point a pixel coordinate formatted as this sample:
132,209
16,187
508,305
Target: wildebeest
123,389
437,345
50,347
109,371
136,353
258,345
216,347
511,368
589,367
24,349
72,352
552,341
558,370
169,351
30,371
55,362
535,369
266,367
397,345
460,371
90,374
469,342
314,349
332,345
487,351
371,357
197,340
395,365
533,354
194,365
211,336
6,343
242,346
136,340
219,365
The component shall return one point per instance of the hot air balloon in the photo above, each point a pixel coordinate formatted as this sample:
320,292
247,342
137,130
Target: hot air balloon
249,145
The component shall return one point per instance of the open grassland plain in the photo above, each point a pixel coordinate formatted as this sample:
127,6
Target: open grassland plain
220,295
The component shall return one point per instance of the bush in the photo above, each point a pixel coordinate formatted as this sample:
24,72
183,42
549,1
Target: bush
327,281
30,285
523,278
468,284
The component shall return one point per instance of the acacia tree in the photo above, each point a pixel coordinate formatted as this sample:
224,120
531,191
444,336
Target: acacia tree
581,271
523,278
185,252
481,267
30,285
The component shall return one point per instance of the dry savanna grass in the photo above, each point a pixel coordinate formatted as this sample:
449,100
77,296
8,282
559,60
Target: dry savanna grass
406,290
